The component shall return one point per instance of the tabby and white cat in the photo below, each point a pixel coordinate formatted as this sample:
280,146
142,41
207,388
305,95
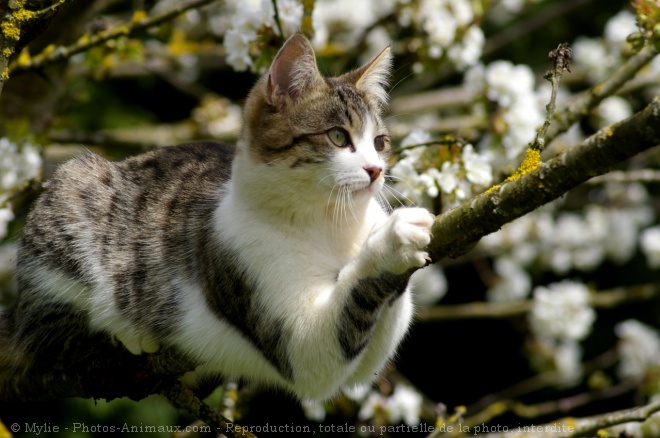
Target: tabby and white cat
271,261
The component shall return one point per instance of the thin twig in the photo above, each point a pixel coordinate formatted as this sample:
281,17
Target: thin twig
535,383
83,44
631,176
183,398
307,25
482,310
278,23
46,10
567,115
445,141
559,428
561,58
588,426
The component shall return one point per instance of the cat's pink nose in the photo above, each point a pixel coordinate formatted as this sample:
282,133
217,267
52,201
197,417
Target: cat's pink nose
374,172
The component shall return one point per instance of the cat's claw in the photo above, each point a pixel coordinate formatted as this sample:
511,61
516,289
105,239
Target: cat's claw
399,243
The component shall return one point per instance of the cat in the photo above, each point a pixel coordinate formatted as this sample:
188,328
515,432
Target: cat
274,262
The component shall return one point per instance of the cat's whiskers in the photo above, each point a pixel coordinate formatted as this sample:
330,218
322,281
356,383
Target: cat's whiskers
351,204
397,194
327,204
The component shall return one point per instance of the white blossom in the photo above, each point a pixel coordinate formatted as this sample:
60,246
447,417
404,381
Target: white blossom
623,233
522,117
408,183
507,82
568,362
440,25
561,311
405,404
463,190
462,11
448,27
372,404
619,27
416,136
342,21
18,164
649,241
314,410
514,283
477,166
512,88
290,13
611,110
6,216
238,38
245,25
447,177
593,56
468,50
639,348
475,80
429,285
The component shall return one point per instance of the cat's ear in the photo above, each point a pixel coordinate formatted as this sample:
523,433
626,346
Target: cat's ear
373,77
292,72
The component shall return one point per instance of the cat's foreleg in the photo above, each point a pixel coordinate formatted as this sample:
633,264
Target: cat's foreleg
379,276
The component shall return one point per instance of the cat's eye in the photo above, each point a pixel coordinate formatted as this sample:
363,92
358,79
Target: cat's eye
380,142
338,137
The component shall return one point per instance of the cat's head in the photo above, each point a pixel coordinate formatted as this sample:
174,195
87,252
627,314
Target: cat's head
325,133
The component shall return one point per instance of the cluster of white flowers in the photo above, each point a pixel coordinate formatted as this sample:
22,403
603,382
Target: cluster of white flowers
506,10
456,180
611,110
18,164
246,23
218,117
405,404
597,57
512,88
449,28
649,241
343,21
639,348
562,312
514,283
429,285
561,317
566,241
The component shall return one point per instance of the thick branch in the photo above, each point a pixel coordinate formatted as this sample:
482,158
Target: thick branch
93,367
456,231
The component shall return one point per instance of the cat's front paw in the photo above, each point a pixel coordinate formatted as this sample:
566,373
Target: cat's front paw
398,245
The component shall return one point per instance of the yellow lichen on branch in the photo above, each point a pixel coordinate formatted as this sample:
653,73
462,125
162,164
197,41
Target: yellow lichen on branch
139,16
531,161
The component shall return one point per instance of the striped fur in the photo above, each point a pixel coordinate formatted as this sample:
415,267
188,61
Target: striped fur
271,261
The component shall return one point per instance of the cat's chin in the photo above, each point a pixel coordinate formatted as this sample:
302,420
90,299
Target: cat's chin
367,191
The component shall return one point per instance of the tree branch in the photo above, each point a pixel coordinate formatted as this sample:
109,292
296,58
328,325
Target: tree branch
456,231
85,43
568,115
